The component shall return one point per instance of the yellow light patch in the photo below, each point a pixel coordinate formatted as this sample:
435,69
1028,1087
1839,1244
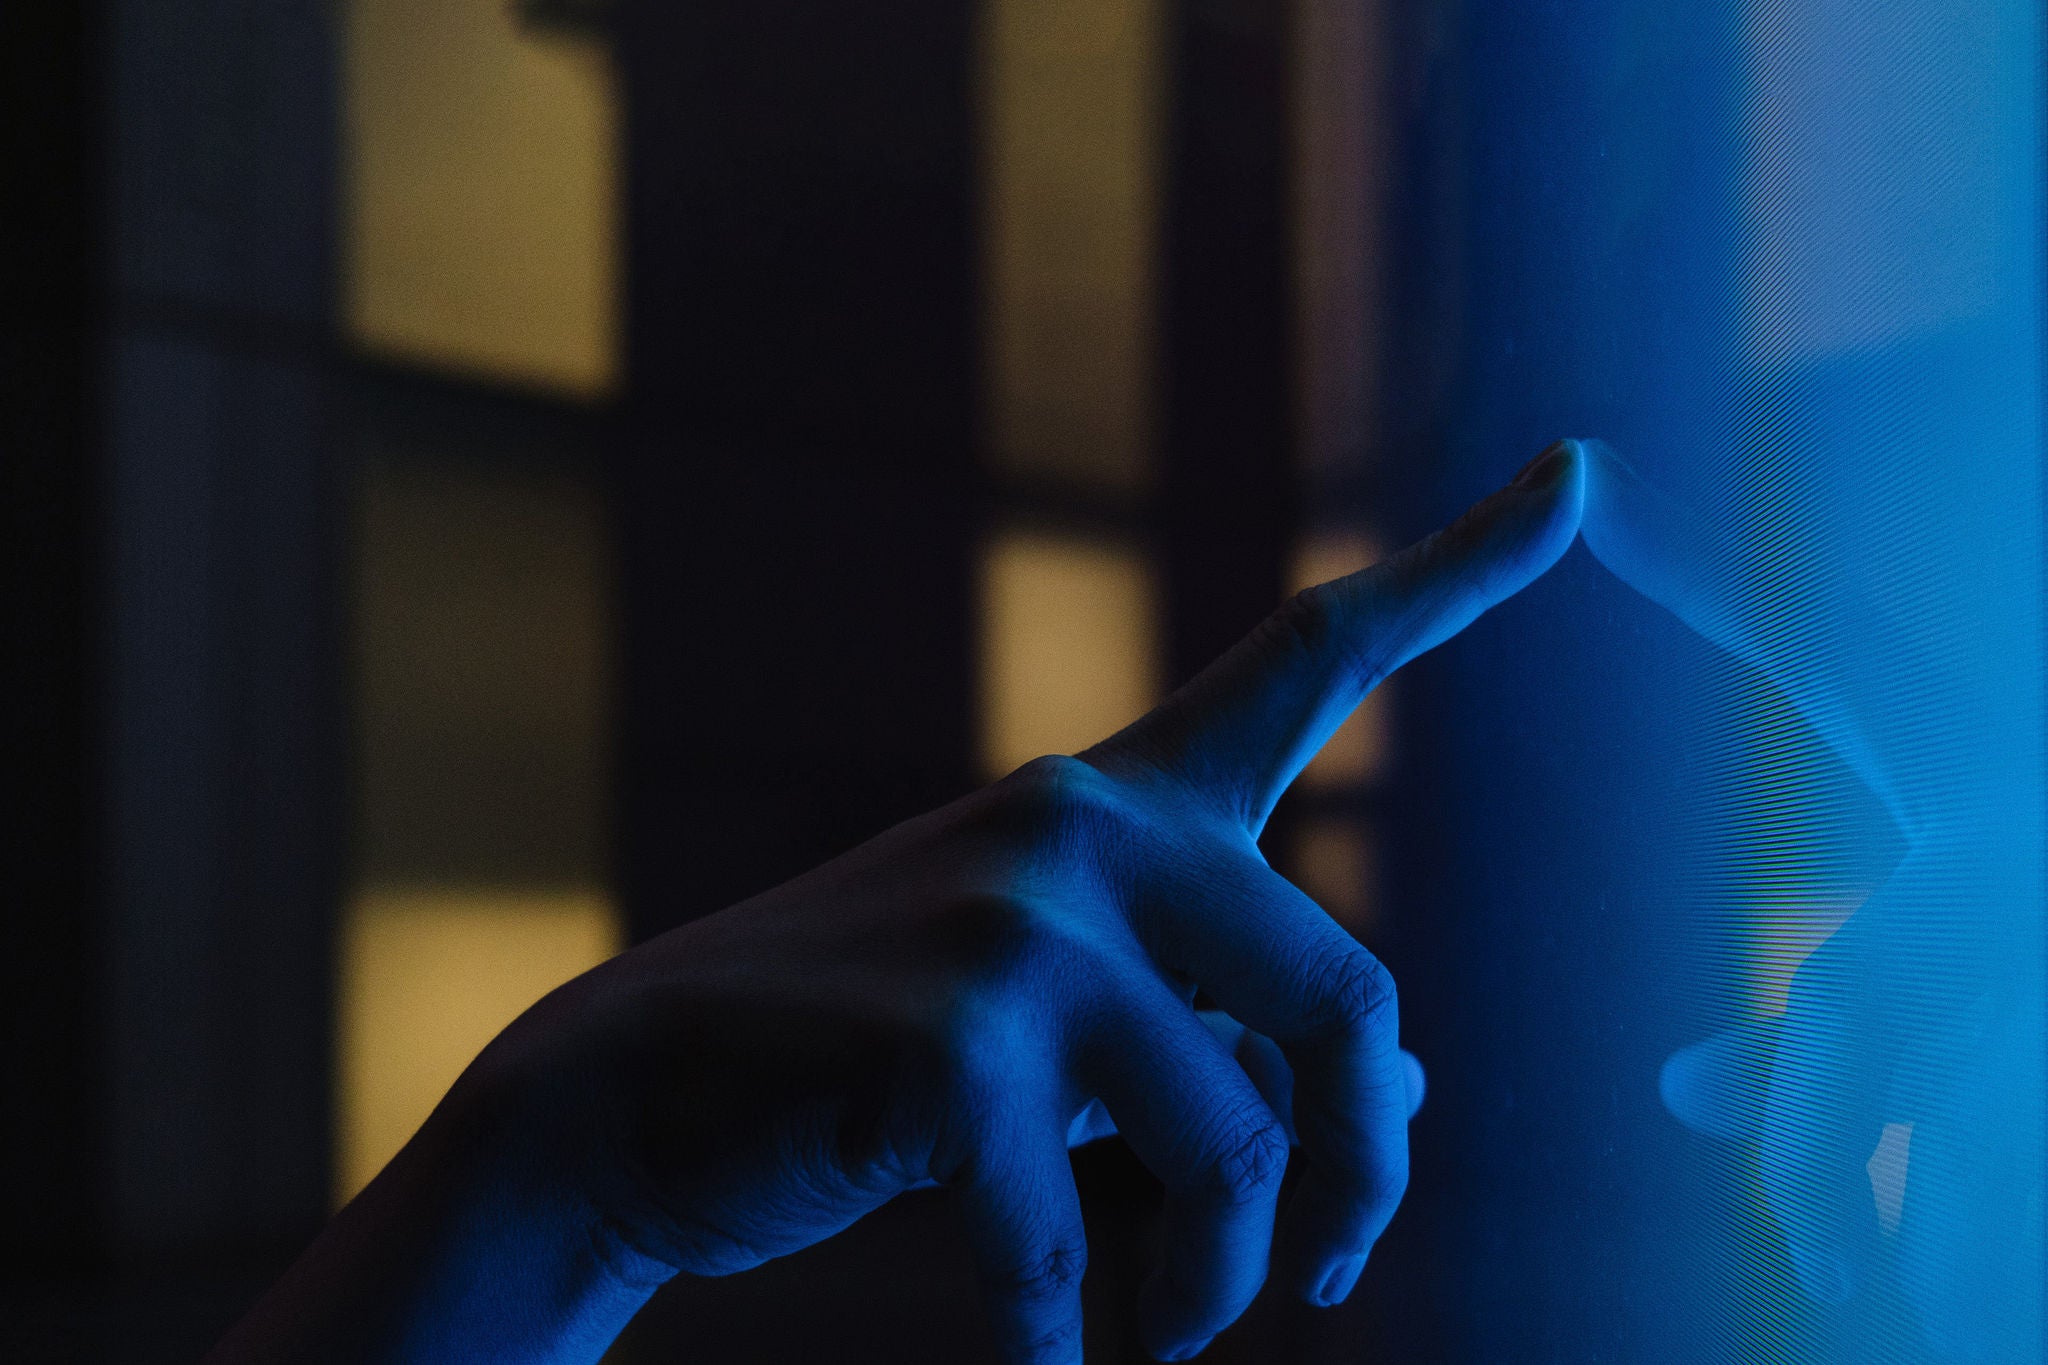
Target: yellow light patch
428,976
480,182
1070,644
1071,164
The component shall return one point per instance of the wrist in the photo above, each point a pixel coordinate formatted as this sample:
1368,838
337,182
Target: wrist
470,1245
522,1260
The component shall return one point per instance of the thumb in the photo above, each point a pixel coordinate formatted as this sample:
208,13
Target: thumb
1267,1066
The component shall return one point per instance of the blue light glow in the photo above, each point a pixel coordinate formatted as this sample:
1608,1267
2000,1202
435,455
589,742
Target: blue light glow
1786,260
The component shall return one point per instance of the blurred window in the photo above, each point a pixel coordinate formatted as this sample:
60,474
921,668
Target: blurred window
481,279
1340,173
1071,165
1070,650
482,667
428,976
1071,119
1330,847
481,193
481,650
1074,146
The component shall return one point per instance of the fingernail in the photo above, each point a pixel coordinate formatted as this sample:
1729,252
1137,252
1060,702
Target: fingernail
1188,1352
1823,1277
1342,1277
1546,466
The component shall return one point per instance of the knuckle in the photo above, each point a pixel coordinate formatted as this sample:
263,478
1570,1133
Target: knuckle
1306,620
1315,622
1052,782
1315,616
993,925
1061,806
1312,612
1052,1273
1251,1162
1359,995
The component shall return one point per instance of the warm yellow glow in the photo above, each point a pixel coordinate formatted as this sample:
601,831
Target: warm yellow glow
480,179
427,978
1070,647
1334,863
1340,168
1358,752
1331,554
1072,131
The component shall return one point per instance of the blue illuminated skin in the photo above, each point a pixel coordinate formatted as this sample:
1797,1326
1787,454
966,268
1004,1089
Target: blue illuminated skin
1910,1013
955,1002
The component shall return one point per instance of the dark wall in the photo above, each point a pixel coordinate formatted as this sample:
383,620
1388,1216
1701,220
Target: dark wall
795,481
49,138
173,664
221,649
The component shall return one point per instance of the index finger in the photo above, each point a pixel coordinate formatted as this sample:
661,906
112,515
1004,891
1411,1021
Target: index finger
1247,724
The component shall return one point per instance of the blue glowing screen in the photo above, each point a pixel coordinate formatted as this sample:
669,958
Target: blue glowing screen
1732,985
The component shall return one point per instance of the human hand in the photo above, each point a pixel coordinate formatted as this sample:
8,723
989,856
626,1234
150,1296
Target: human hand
954,1000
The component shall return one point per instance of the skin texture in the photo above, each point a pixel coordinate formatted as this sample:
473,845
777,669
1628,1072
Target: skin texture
955,1002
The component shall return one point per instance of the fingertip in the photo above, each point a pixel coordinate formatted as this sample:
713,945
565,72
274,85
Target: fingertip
1497,548
1510,539
1330,1230
1416,1081
1579,475
1556,481
1339,1283
1186,1352
1606,474
1551,464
